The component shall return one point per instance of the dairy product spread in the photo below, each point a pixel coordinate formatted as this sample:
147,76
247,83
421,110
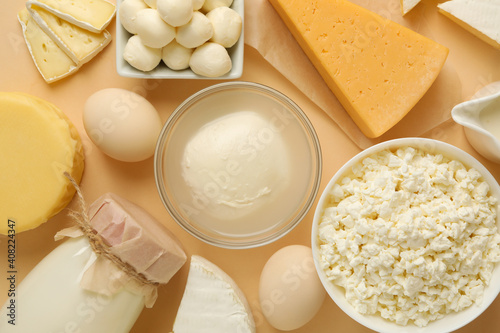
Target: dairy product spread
410,236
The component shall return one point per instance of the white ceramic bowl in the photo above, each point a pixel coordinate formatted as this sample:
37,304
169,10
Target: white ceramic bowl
248,186
162,71
450,322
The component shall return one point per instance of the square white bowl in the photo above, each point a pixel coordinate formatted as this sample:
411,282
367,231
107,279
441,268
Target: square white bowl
162,71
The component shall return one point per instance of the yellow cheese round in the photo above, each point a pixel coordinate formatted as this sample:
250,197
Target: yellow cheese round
38,144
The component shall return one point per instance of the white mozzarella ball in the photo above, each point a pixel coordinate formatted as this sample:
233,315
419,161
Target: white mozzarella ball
176,56
209,5
154,32
127,13
196,32
227,26
140,56
175,12
151,3
197,4
210,60
122,124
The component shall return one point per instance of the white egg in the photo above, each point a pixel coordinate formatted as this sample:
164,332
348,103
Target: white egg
154,32
140,56
122,124
210,60
290,290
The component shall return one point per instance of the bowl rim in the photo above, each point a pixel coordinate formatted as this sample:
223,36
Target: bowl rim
452,321
308,130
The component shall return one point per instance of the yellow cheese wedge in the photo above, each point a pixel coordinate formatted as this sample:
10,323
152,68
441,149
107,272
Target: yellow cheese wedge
479,17
49,59
38,144
377,68
92,15
79,44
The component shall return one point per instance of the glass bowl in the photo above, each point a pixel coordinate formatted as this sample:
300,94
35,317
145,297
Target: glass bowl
450,322
238,165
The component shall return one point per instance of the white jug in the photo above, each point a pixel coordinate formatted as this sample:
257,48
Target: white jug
480,117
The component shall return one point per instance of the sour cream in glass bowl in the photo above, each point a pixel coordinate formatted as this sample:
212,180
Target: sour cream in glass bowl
238,165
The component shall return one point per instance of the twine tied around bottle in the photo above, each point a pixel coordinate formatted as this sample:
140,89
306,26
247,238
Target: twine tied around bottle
99,246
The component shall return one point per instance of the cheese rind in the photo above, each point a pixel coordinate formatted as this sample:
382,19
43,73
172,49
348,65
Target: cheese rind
38,144
480,17
377,68
92,15
52,63
79,44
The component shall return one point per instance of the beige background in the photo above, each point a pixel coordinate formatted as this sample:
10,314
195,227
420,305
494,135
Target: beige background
476,64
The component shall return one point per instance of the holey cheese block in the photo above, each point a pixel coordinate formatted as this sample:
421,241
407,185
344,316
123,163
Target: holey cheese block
377,68
38,144
212,302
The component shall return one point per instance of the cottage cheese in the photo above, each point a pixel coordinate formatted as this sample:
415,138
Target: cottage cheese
410,235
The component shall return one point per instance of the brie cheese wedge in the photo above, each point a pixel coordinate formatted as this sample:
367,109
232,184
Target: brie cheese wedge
212,302
407,5
92,15
49,59
480,17
79,44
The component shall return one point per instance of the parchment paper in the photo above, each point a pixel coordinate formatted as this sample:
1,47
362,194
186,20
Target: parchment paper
267,33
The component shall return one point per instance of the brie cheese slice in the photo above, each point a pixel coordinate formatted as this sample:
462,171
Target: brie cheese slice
92,15
480,17
407,5
52,63
79,44
212,302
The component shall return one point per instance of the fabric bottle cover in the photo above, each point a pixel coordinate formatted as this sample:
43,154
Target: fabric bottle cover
131,248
